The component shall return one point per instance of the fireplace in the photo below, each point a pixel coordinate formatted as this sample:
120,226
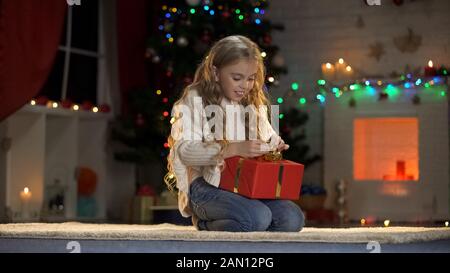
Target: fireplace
393,153
386,149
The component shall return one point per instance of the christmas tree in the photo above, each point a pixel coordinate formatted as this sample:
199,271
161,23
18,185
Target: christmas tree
292,132
185,30
140,134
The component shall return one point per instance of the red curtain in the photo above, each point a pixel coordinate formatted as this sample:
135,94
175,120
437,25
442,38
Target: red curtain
132,37
30,32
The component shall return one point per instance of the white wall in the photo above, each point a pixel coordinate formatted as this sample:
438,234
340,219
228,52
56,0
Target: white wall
318,31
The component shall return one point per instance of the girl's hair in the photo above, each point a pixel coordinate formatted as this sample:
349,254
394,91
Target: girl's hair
224,52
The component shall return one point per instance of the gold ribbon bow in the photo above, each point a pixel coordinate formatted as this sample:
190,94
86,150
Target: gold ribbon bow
271,157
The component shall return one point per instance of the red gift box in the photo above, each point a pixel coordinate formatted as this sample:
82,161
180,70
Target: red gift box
261,179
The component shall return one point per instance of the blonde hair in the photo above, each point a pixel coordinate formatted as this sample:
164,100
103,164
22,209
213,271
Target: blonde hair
224,52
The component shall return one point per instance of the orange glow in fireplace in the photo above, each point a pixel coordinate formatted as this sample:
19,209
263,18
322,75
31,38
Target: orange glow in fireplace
386,149
400,175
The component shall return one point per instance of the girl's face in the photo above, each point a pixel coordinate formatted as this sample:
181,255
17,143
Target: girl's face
237,79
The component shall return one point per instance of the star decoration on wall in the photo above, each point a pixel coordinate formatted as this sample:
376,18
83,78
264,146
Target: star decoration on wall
376,50
409,42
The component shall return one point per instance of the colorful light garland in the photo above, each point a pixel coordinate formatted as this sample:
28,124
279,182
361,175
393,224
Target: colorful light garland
383,88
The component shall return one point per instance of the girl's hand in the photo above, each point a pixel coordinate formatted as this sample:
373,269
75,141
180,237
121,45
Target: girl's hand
277,143
250,148
282,146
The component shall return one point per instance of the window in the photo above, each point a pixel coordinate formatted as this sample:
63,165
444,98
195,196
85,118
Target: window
75,70
386,149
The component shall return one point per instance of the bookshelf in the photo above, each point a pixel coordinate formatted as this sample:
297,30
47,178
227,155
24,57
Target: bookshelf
41,149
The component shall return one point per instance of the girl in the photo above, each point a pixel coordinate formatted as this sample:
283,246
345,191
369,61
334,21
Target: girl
231,74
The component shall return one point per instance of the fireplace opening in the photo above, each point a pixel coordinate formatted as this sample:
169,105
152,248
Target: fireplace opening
386,149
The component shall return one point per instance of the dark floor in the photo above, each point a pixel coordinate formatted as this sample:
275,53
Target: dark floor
9,245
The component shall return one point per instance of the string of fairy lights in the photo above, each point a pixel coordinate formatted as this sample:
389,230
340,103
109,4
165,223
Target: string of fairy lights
170,12
372,87
432,80
69,106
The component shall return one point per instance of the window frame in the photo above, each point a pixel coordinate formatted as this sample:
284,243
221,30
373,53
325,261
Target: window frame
68,49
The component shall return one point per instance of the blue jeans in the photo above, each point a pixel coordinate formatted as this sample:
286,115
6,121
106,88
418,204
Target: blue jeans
221,210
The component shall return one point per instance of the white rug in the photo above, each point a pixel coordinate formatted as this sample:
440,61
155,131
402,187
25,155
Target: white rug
74,230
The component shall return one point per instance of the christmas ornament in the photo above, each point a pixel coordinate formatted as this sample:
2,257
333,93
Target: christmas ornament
182,41
42,100
66,104
267,39
87,105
